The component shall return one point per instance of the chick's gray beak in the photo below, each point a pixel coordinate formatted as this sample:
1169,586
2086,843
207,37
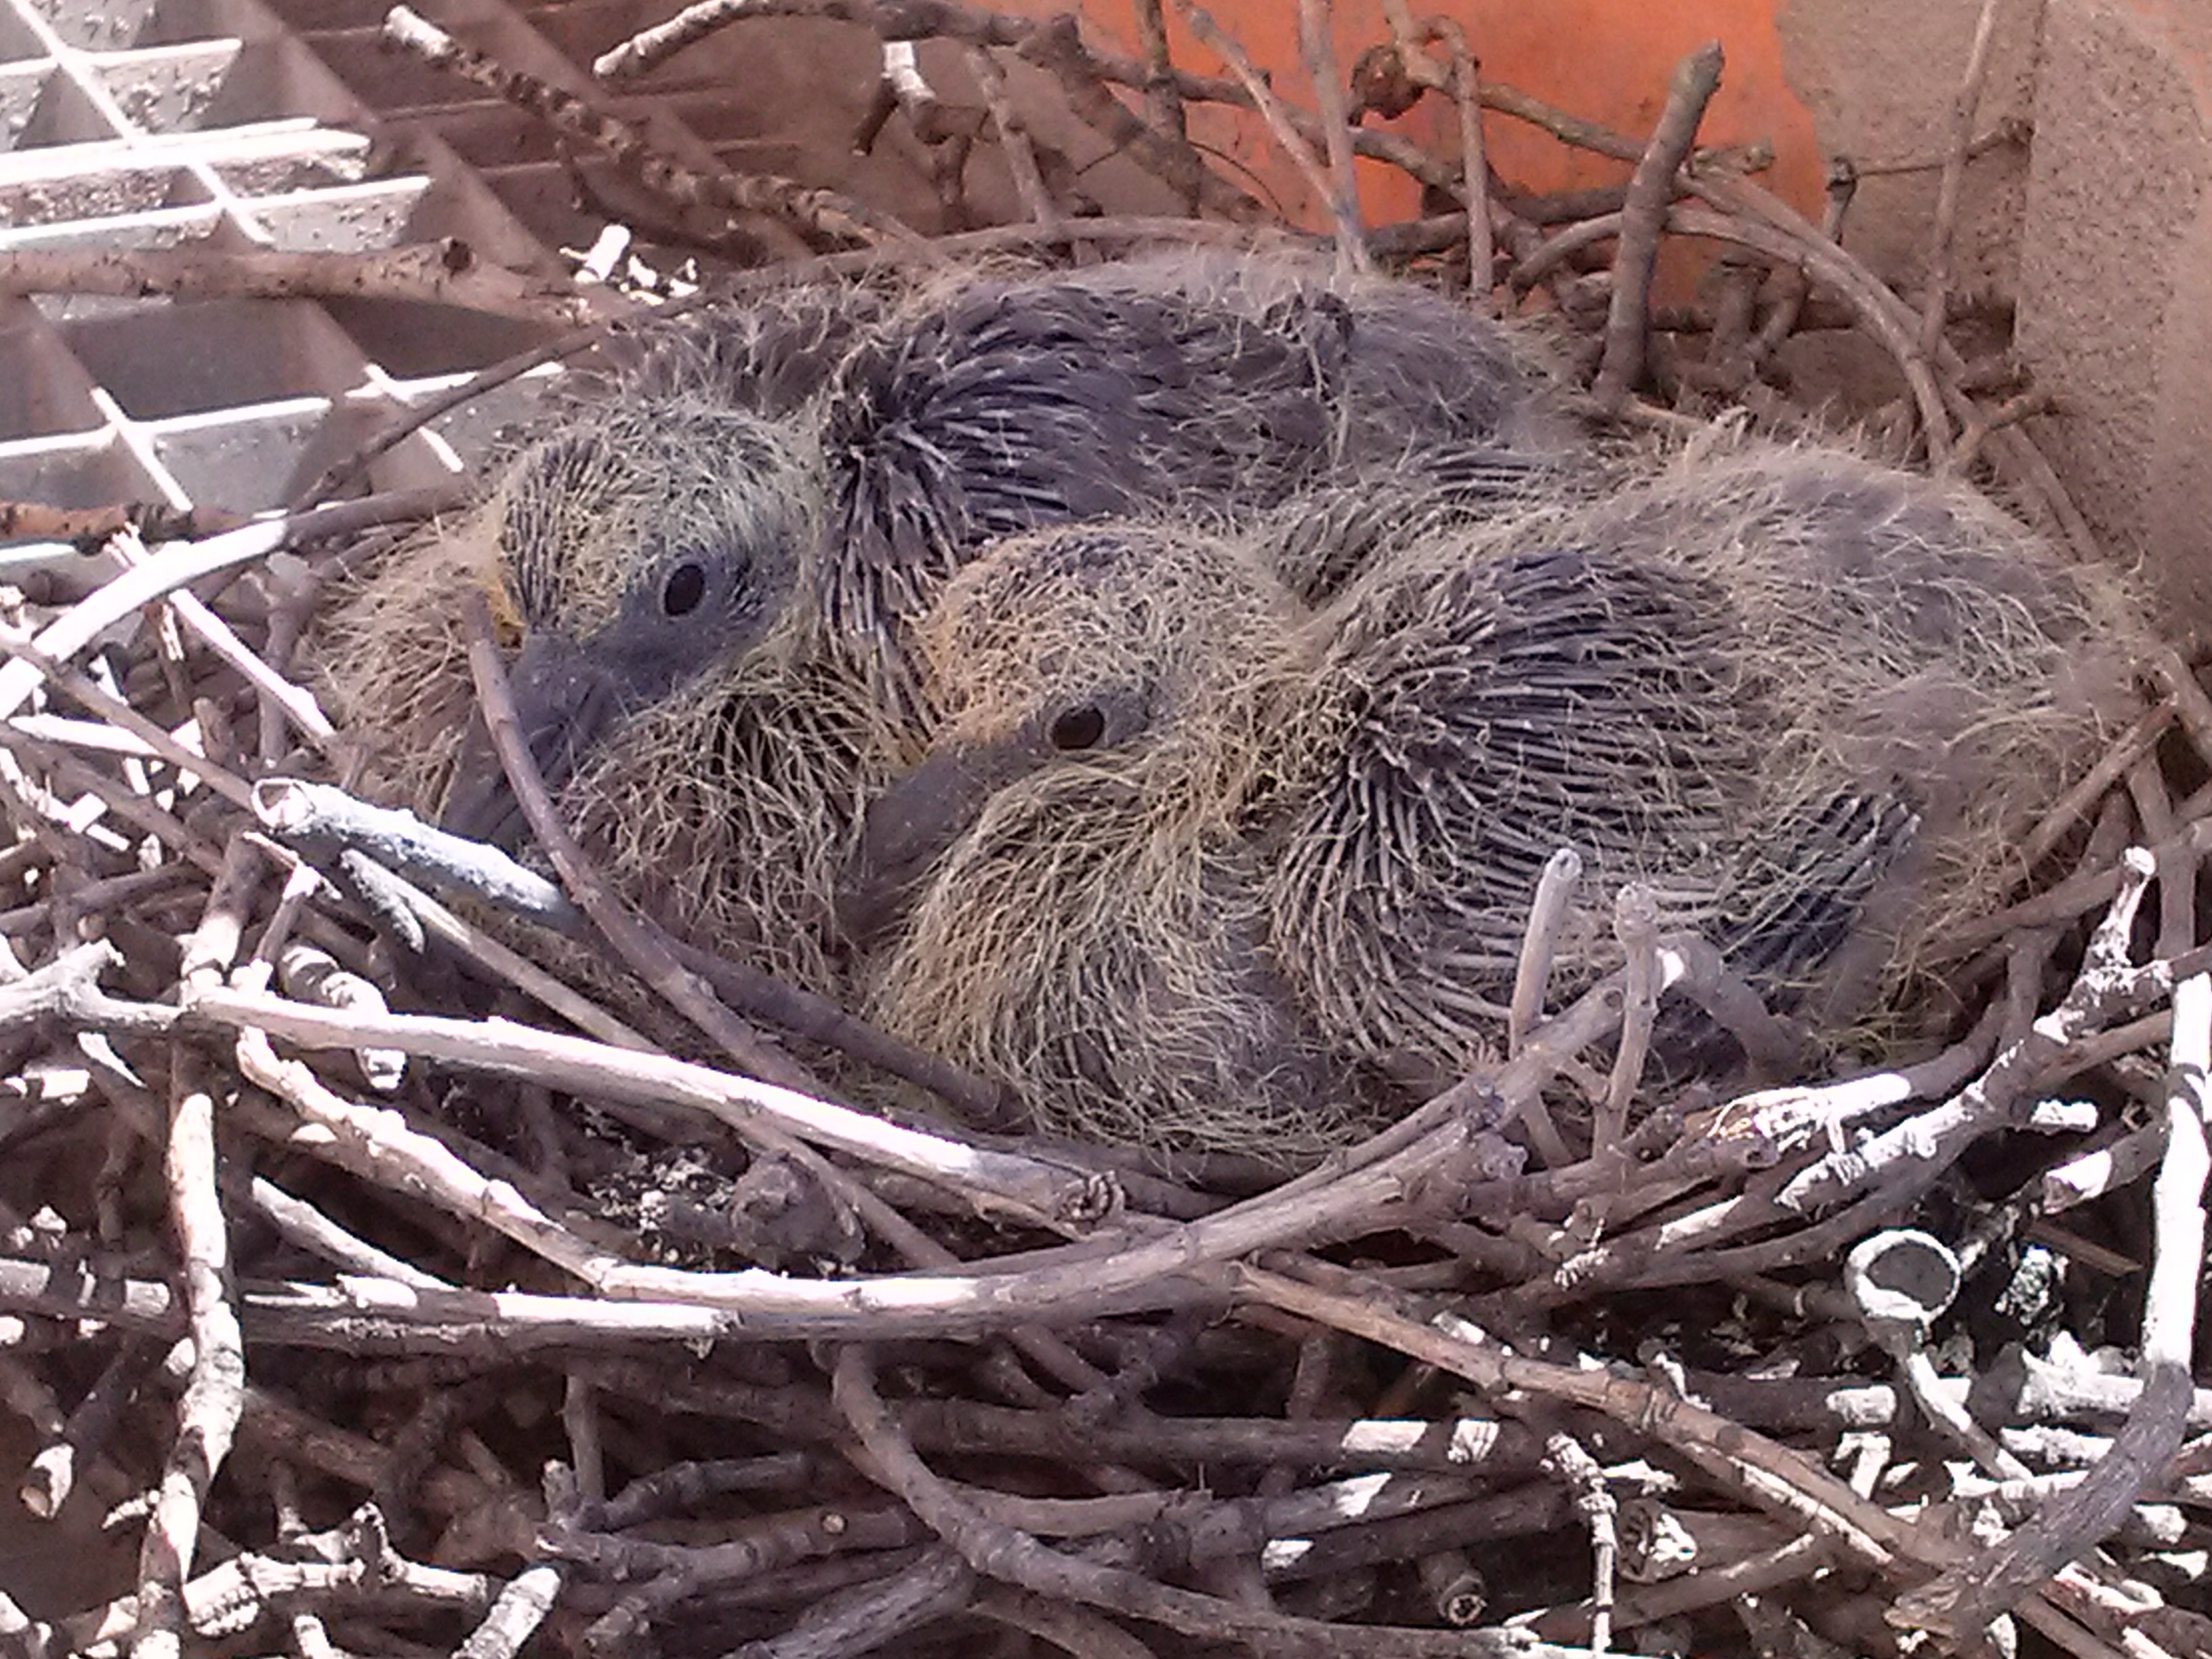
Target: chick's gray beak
910,826
565,704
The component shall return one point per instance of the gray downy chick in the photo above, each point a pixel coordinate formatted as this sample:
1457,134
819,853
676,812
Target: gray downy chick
1810,701
1204,382
969,411
619,560
715,567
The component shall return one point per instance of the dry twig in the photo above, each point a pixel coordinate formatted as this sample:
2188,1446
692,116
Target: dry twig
823,211
1342,195
207,1416
447,272
1642,216
1343,211
1954,172
1014,140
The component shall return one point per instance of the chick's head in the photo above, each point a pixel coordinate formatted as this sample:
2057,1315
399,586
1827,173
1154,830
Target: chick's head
1117,662
635,556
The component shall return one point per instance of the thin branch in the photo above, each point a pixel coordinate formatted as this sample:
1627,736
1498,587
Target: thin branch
1343,195
89,527
2081,800
1635,926
1954,173
1540,940
1019,1188
448,272
1271,109
869,1616
513,1619
2024,406
1013,140
208,1413
1474,164
1163,109
825,211
1642,215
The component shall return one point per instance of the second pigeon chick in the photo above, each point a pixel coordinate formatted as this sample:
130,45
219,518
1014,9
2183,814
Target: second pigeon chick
1185,863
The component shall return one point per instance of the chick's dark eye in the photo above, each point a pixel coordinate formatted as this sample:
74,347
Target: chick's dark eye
1077,729
684,588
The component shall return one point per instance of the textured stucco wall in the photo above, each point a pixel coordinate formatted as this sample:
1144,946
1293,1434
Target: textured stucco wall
2098,227
1880,77
2116,276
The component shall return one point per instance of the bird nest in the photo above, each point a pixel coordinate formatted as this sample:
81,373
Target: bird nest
393,1332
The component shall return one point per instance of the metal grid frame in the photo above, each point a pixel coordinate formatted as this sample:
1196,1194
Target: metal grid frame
276,124
287,125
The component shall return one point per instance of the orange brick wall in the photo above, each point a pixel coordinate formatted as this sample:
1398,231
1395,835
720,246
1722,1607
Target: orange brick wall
1608,60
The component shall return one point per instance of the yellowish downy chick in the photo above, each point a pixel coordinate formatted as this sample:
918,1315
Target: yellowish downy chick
1808,700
